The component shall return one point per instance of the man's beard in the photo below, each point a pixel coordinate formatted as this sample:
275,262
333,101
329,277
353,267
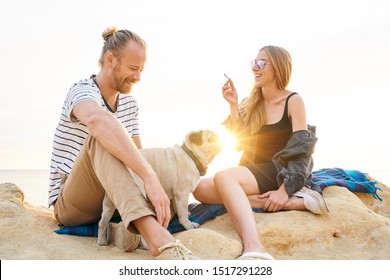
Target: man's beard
120,85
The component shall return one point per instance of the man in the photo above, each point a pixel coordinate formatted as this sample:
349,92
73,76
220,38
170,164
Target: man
95,152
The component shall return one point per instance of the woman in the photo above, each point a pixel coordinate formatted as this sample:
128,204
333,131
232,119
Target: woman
275,169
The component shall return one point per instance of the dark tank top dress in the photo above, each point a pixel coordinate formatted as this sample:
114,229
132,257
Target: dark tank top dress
265,144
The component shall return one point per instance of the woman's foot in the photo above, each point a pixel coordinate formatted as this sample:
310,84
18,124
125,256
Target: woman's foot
255,256
314,201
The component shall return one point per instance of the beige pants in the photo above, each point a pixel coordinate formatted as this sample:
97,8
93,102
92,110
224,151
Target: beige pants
94,173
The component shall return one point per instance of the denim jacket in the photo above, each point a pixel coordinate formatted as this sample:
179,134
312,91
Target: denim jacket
295,163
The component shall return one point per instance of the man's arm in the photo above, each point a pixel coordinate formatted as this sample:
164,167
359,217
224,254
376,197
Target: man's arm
114,138
137,141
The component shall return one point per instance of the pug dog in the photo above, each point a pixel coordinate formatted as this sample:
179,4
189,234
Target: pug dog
179,169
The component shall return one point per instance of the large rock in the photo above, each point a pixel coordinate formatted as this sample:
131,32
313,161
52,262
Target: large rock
357,227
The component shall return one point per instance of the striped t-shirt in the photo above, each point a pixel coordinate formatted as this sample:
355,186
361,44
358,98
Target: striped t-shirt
70,134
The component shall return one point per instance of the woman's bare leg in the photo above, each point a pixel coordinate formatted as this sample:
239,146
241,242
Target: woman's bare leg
293,203
234,185
206,192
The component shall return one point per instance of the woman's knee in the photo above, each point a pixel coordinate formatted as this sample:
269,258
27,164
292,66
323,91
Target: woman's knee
203,187
221,178
236,177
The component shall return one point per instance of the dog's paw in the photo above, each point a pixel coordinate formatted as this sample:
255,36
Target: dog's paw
196,225
102,239
102,243
193,225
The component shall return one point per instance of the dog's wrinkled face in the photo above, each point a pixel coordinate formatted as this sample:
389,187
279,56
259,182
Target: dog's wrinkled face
205,144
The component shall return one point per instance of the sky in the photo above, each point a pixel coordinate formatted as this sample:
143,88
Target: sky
340,53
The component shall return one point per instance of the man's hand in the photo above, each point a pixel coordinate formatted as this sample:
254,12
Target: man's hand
159,199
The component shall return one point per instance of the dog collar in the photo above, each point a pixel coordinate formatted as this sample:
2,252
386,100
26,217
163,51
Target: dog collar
202,170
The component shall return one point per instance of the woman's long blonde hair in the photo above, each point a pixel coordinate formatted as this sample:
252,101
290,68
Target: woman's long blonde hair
252,108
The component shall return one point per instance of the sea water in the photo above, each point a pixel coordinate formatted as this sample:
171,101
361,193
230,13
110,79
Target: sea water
34,183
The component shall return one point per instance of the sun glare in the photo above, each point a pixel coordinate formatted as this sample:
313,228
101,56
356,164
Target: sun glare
228,140
228,157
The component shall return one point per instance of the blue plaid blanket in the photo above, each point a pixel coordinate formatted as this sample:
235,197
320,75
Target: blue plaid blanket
354,180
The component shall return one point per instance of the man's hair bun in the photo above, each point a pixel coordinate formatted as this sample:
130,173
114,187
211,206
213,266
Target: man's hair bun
109,32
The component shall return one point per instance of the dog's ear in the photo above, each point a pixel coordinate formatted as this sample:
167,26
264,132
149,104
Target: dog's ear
196,138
